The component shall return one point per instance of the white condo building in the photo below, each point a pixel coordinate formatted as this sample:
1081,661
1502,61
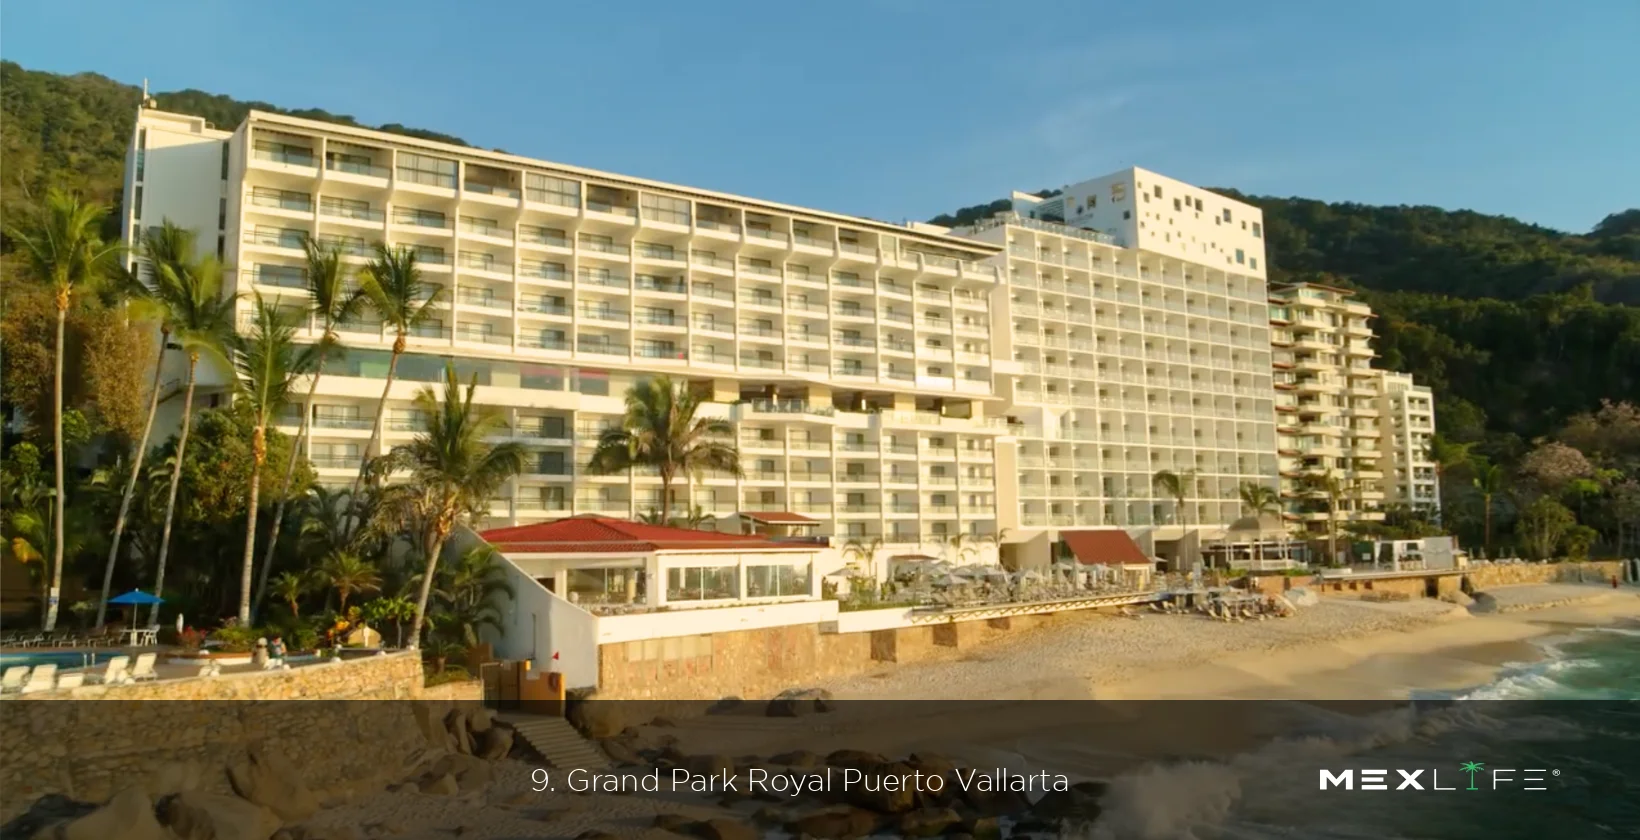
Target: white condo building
854,356
1408,421
1132,337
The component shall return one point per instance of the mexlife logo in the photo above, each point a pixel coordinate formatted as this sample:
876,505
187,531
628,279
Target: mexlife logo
1500,779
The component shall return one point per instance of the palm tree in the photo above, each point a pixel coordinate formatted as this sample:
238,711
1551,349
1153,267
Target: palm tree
290,587
395,609
468,589
202,324
393,286
660,430
1490,480
344,572
63,250
1260,499
268,362
1177,485
454,472
1332,486
167,244
332,303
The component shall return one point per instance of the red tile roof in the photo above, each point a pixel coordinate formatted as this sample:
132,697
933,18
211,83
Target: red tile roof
778,517
1107,547
594,534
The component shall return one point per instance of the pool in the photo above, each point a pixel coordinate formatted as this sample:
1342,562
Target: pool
63,659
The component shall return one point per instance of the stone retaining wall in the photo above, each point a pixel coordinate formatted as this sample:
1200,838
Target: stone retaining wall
1490,575
762,663
1481,577
93,742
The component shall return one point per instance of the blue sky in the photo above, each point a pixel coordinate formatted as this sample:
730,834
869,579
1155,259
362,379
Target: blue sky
903,109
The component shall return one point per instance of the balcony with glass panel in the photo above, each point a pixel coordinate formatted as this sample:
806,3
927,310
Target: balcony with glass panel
660,285
425,174
546,339
277,153
766,234
273,203
595,342
490,185
706,352
490,298
537,238
610,208
543,272
717,222
359,166
493,265
421,225
275,239
486,230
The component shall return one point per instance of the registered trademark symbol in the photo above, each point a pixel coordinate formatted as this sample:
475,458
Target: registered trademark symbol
1554,772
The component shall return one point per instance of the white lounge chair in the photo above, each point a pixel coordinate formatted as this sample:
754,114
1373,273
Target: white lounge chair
71,680
14,678
144,669
42,678
113,672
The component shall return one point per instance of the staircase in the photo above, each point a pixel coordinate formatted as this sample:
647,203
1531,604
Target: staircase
558,743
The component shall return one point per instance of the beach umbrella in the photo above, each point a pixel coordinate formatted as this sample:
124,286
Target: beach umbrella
136,597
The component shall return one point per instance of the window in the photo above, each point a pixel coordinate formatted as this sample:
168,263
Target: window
346,208
224,160
1241,257
221,247
1198,205
549,190
663,208
1176,206
1158,190
1127,214
142,151
424,169
1227,214
1258,231
136,204
777,580
702,583
1254,262
1118,192
1093,201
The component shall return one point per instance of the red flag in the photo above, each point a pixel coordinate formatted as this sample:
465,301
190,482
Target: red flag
555,655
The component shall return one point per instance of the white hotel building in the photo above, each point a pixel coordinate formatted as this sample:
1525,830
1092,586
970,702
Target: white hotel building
853,356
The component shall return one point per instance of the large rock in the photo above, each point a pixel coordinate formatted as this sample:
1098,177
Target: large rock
1484,603
174,777
479,720
129,815
456,723
721,828
1458,598
469,772
928,822
268,779
431,728
855,758
840,823
982,828
799,702
498,741
213,816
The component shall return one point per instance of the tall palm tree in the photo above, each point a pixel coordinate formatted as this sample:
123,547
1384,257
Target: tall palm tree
1330,485
344,572
1490,480
660,430
454,472
202,324
1260,499
63,249
1177,485
393,286
332,302
164,245
268,363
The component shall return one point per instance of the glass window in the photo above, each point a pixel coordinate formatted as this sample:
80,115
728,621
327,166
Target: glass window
702,583
420,218
778,580
606,586
664,208
224,160
549,190
424,169
142,151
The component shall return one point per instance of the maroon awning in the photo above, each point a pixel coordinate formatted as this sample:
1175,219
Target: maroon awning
1105,547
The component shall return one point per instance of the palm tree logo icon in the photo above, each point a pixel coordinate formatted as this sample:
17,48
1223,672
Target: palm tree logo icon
1471,767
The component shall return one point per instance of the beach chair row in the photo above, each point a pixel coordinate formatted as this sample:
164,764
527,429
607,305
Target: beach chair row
62,639
118,670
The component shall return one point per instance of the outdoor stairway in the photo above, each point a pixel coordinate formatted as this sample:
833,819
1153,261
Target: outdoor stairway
557,742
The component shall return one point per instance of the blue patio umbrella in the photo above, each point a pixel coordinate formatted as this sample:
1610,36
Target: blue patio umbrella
136,596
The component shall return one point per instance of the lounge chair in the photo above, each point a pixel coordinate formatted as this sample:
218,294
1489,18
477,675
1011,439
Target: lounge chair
14,678
209,669
144,669
72,680
42,678
113,671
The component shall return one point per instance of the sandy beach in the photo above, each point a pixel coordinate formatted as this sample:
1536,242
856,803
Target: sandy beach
1339,649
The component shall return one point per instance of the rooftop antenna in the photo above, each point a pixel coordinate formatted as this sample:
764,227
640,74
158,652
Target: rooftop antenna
147,101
